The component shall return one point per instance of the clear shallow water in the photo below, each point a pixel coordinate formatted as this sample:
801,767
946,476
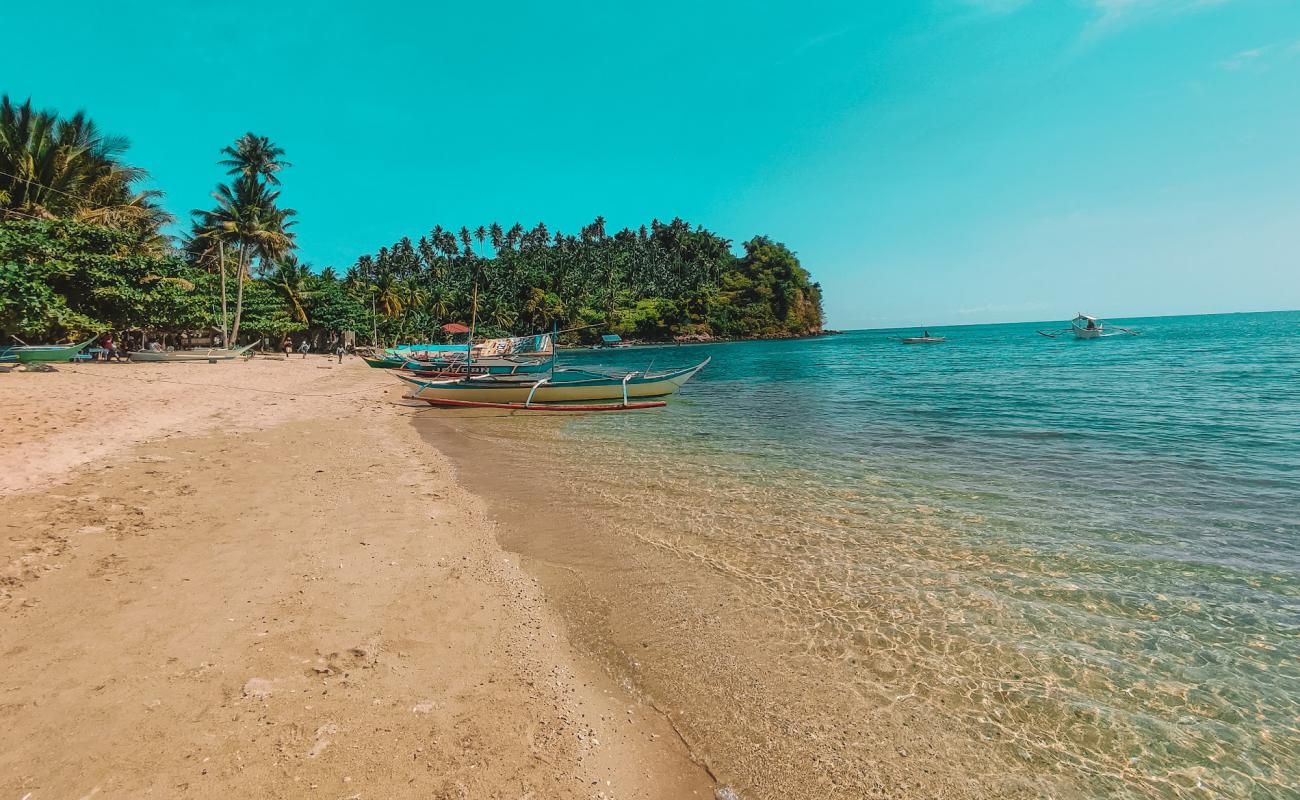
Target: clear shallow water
1084,554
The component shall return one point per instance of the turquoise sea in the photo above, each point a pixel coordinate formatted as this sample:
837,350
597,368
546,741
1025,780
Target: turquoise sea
1081,556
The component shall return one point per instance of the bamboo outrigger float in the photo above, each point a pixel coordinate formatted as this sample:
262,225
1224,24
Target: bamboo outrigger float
561,390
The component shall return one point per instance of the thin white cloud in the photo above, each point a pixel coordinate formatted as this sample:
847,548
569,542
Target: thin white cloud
1115,14
1264,57
1107,15
1245,58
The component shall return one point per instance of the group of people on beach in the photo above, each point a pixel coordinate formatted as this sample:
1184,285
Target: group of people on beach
109,350
337,346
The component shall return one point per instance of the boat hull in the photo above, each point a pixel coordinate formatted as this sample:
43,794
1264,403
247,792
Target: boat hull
40,354
923,339
384,363
597,388
191,356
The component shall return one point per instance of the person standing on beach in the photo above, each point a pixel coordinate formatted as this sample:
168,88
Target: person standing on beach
304,348
110,348
339,349
287,346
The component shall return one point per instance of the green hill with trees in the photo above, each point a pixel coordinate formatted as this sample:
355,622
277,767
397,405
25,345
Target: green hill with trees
83,249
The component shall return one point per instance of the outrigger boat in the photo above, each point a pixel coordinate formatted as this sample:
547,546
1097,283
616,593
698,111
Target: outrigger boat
192,356
1084,326
925,339
610,341
563,389
385,361
43,353
509,356
492,365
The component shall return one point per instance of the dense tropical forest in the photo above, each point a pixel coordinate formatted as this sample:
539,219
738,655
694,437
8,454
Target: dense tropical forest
83,249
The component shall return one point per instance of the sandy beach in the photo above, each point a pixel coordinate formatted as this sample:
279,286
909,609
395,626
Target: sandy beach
255,580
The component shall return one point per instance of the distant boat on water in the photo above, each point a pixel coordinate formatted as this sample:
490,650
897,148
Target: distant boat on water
1085,326
925,338
610,340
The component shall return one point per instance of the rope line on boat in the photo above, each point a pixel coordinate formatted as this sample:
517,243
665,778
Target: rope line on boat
227,386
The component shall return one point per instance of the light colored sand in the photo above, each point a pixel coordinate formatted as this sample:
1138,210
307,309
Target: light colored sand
244,580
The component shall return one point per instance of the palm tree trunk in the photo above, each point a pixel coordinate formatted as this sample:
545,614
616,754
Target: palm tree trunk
239,295
225,320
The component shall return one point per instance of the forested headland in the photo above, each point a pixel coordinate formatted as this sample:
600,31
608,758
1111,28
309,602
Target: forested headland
83,250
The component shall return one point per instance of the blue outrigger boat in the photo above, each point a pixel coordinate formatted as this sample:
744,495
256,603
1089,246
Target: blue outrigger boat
563,389
492,365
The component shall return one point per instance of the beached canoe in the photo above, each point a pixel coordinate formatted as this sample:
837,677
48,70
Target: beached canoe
562,386
384,362
192,356
44,353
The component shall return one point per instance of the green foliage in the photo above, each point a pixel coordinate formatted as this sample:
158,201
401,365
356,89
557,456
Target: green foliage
332,308
671,279
54,167
63,278
80,252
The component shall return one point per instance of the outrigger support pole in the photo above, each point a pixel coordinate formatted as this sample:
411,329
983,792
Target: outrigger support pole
533,391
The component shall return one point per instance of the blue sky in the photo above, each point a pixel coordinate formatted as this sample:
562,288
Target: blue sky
931,161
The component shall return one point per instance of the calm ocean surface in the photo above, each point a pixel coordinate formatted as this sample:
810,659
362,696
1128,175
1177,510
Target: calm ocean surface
1084,553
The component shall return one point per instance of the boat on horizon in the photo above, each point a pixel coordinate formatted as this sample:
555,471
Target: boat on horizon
1086,326
611,341
558,391
925,338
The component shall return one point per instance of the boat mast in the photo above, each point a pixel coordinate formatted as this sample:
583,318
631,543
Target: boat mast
473,319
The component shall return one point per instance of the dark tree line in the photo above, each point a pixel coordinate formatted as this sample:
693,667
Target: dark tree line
657,282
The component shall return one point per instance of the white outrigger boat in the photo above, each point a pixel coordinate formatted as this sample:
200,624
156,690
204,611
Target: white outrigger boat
211,355
1084,326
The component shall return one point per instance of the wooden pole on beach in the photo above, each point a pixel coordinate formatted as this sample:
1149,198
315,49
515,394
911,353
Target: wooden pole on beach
221,265
473,319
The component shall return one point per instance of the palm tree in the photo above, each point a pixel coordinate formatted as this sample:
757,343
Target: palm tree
291,278
389,295
248,217
514,235
254,156
480,234
53,168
